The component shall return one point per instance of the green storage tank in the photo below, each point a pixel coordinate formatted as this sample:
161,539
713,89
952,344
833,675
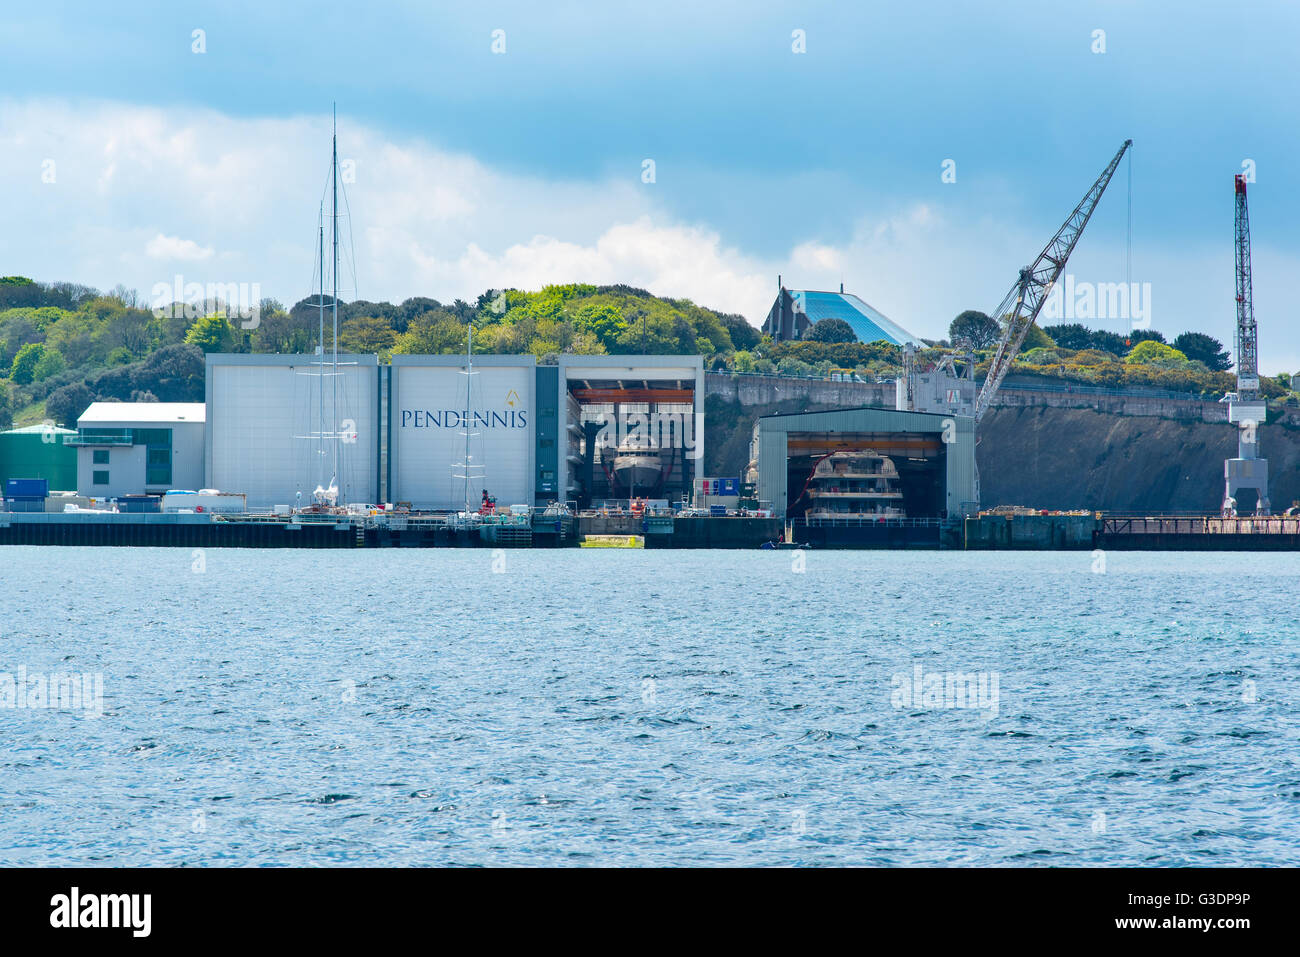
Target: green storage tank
38,451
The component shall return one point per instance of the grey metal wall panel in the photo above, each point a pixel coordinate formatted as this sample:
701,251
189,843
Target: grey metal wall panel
257,407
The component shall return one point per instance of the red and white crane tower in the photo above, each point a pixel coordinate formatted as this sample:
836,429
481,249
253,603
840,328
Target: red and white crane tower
1246,406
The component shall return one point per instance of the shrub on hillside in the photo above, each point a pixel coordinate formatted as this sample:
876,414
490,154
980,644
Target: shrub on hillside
1042,357
1151,350
845,355
830,331
66,403
1092,357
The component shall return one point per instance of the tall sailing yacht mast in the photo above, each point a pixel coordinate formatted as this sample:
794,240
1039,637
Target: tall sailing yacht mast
320,346
334,232
467,421
328,492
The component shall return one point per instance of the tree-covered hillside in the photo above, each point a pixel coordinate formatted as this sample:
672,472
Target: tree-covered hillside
63,346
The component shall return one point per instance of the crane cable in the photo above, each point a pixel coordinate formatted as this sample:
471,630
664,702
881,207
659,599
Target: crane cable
1128,245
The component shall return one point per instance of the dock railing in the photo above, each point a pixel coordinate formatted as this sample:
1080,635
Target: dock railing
1198,525
859,521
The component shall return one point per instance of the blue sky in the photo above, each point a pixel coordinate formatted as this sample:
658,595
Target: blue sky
476,169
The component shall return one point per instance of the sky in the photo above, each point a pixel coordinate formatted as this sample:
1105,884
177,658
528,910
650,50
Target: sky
918,153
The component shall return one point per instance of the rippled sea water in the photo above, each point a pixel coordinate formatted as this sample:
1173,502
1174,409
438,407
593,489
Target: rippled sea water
416,707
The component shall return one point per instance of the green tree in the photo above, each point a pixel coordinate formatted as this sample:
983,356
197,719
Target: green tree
831,331
6,407
1111,342
1150,351
1036,338
73,334
977,329
542,348
129,329
367,334
1202,348
1144,335
1070,335
586,343
173,373
66,403
603,319
434,333
25,361
653,335
284,332
211,334
50,363
743,335
17,328
18,291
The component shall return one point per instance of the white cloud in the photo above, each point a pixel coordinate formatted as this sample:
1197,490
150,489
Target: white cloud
132,182
175,248
677,261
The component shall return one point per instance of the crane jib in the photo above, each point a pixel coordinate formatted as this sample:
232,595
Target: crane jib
1036,281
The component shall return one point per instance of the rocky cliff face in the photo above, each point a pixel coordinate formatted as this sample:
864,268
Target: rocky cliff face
1053,457
1078,458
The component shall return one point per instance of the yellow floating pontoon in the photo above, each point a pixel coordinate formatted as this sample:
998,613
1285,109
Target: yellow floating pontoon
613,541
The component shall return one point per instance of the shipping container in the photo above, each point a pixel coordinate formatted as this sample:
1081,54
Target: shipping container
27,488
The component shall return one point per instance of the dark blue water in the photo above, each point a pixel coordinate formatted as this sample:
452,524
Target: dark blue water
615,707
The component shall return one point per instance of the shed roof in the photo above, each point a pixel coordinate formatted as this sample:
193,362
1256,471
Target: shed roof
40,430
149,413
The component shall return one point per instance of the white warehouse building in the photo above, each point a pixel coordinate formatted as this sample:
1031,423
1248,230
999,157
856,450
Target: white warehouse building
432,428
133,448
533,430
272,426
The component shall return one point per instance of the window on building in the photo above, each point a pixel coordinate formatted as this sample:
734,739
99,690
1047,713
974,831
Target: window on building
100,456
100,477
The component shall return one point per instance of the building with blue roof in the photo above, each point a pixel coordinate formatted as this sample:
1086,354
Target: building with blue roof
795,310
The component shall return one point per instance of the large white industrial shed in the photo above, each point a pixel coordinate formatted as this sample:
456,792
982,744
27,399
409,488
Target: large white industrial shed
271,420
430,414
